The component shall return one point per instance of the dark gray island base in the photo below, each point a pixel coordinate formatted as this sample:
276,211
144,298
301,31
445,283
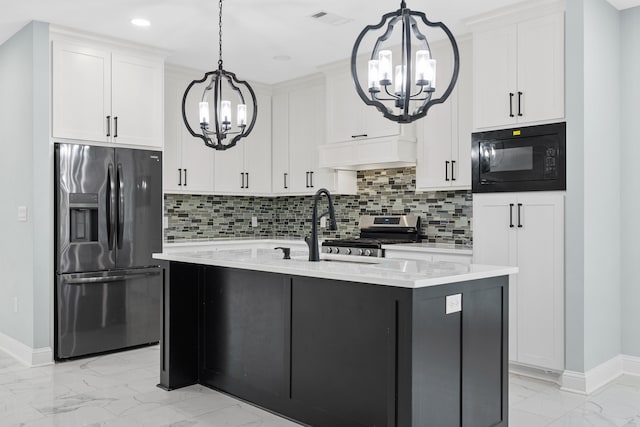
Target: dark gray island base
329,353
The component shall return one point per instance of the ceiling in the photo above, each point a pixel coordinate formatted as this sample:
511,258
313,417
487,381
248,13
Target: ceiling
254,31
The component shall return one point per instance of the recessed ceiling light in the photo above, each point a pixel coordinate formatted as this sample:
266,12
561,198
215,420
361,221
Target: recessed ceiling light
140,22
282,58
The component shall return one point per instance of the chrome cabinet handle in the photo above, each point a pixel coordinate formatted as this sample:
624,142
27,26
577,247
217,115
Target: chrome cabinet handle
311,179
285,180
247,185
242,178
185,177
179,176
307,179
108,125
115,124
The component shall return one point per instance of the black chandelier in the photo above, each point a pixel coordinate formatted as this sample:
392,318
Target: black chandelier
222,136
411,98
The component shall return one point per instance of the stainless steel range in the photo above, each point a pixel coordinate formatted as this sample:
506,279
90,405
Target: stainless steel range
376,231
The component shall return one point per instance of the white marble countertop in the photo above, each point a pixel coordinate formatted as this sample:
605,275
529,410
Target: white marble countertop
442,248
377,271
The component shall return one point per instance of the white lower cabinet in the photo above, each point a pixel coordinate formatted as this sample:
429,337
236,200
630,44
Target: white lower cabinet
188,163
527,230
298,131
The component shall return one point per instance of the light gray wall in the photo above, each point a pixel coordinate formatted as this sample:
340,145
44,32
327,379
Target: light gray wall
602,196
25,171
574,212
16,172
593,278
630,114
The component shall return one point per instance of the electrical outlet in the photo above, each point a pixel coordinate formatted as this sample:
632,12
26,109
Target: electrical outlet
254,221
165,222
454,303
22,214
323,222
15,304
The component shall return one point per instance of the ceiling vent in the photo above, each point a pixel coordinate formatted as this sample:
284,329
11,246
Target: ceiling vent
330,18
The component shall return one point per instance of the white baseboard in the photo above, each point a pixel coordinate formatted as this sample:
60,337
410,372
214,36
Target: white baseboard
537,373
631,365
601,375
24,354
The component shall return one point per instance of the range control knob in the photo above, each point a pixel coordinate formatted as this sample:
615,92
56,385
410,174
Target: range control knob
367,252
360,252
329,250
336,250
347,251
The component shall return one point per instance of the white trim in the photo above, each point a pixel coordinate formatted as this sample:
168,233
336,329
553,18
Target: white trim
537,373
24,354
593,379
631,365
624,4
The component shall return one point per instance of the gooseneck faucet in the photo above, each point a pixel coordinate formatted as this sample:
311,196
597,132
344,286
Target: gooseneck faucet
312,241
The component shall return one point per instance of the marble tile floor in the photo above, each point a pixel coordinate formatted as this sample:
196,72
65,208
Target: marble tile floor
119,390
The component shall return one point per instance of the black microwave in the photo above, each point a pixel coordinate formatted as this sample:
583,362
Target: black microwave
531,158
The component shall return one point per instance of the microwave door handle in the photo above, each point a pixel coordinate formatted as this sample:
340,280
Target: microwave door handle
511,215
120,207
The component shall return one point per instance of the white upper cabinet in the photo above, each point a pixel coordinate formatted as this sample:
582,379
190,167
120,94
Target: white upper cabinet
188,162
298,131
81,86
348,117
105,94
519,72
527,230
444,135
246,168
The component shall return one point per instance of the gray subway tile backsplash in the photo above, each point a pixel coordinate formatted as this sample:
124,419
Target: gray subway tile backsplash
446,215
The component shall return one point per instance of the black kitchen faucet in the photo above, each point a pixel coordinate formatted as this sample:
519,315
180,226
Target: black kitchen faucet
312,241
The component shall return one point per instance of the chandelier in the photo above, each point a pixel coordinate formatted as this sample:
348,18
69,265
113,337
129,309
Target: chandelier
411,95
221,134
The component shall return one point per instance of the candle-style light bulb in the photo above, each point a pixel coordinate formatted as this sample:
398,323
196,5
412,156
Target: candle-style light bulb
374,76
385,67
422,67
401,71
203,108
242,115
225,115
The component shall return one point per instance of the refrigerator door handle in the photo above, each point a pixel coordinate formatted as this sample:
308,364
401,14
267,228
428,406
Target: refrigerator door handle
120,238
111,206
83,279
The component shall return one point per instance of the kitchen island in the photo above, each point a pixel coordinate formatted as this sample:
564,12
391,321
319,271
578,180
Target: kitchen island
339,343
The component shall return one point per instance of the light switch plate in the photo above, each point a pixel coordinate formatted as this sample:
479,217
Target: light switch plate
454,303
254,221
323,222
22,214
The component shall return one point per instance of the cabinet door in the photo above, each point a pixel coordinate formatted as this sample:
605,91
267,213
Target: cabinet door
345,109
137,101
81,92
281,179
434,150
461,146
229,170
306,132
257,149
540,300
541,68
494,70
172,159
495,243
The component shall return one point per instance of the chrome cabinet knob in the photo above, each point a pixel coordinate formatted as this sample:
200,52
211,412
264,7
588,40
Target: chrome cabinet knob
367,252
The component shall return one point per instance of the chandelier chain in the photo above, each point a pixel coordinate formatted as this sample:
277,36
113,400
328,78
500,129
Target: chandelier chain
220,34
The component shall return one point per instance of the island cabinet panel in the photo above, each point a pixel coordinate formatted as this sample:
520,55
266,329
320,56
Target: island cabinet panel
343,354
245,334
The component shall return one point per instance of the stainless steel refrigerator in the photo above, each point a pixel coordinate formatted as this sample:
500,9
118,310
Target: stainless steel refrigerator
108,222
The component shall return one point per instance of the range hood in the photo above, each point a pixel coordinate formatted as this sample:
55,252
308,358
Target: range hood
378,153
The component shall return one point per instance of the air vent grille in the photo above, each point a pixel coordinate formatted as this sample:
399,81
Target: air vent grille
330,18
